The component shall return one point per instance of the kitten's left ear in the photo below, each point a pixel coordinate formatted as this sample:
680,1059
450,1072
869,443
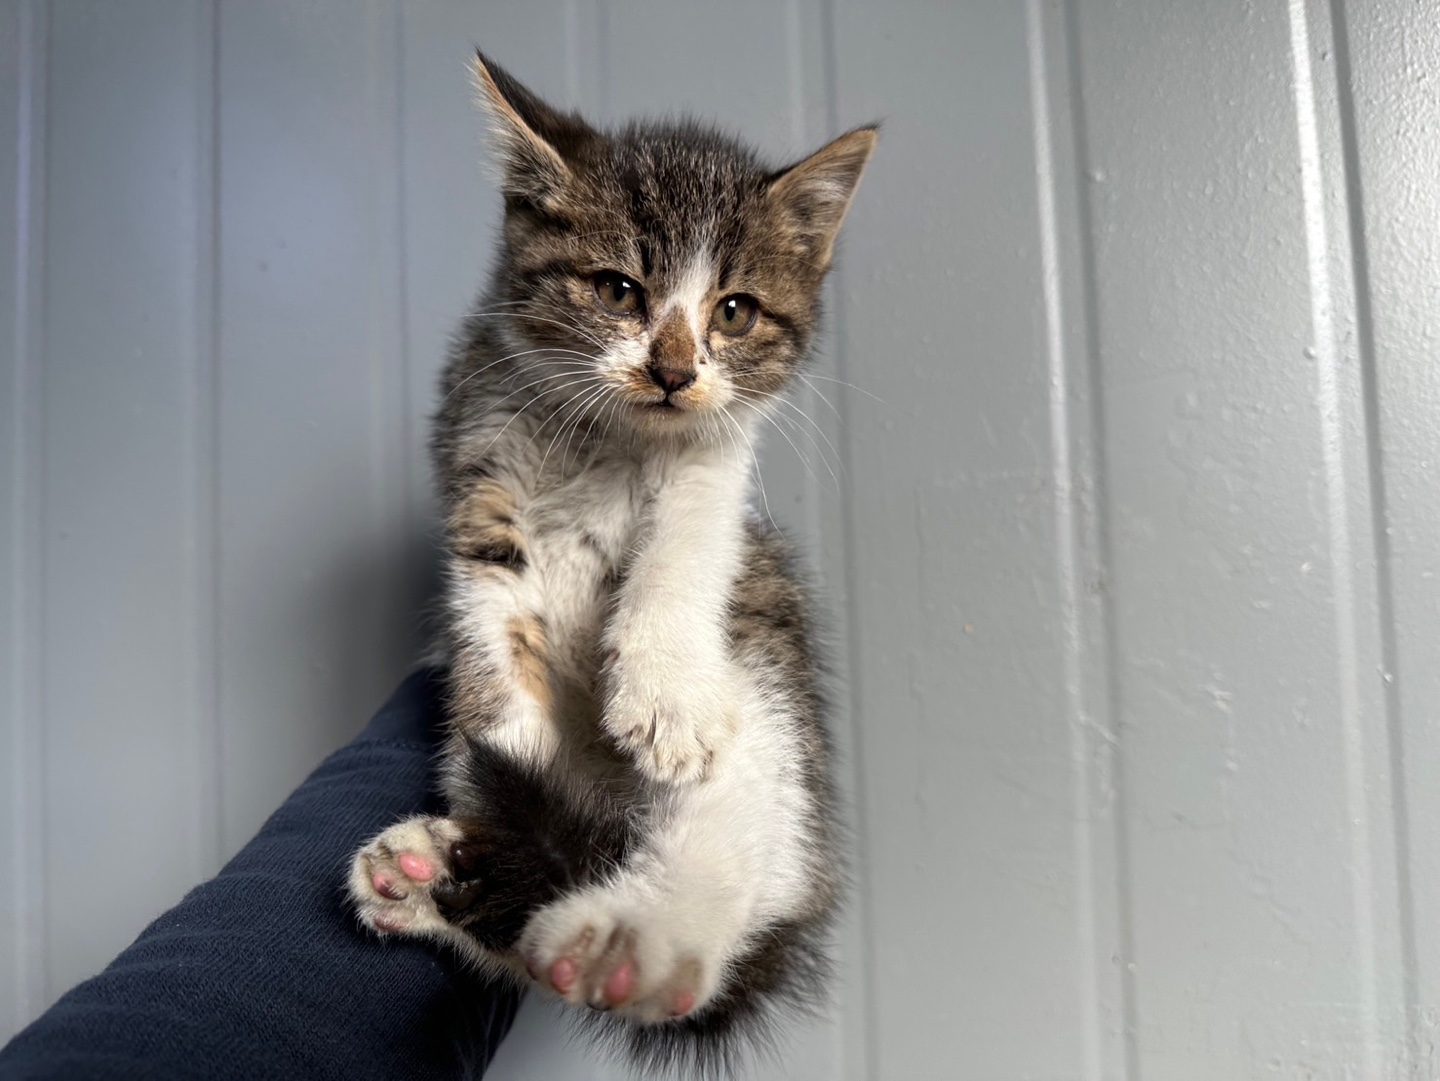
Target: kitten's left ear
532,138
816,193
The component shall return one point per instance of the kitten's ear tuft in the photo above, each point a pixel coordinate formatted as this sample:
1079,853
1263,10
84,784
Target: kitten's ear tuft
530,136
816,193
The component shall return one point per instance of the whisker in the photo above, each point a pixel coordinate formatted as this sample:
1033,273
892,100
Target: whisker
822,397
571,411
819,450
513,356
515,416
743,442
534,383
579,414
852,386
770,416
782,400
582,383
599,444
539,319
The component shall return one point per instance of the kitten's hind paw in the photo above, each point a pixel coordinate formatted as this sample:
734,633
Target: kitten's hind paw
599,952
413,877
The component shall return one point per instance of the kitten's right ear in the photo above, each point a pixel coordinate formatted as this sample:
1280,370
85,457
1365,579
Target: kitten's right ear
529,134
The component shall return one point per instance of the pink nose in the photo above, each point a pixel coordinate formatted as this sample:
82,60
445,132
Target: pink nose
671,380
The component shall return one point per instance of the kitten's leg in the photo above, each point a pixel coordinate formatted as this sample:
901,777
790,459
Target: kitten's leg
500,683
516,839
734,858
672,687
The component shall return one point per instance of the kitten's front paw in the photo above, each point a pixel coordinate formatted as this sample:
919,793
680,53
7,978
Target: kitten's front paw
669,723
413,877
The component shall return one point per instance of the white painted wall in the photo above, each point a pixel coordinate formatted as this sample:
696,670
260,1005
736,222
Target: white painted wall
1136,552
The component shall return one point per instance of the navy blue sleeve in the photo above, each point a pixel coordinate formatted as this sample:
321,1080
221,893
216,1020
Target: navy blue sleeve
263,972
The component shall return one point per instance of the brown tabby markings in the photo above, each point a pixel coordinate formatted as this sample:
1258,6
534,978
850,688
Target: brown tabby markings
529,651
483,526
638,729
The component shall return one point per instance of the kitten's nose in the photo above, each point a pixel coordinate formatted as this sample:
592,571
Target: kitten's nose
671,380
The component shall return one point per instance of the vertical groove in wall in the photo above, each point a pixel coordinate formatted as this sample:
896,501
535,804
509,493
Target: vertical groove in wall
13,714
862,1065
202,514
1379,515
573,60
38,830
392,630
1065,472
1099,539
803,400
381,364
27,771
213,442
603,48
408,498
1343,555
796,58
806,81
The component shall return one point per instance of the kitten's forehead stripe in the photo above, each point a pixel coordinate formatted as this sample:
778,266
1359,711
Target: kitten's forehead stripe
690,290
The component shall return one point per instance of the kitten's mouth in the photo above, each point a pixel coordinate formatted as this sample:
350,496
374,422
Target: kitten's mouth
669,403
664,409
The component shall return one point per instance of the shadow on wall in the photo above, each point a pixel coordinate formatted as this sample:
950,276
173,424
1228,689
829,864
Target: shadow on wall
309,664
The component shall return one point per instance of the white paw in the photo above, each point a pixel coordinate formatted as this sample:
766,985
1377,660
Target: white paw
670,718
595,950
395,878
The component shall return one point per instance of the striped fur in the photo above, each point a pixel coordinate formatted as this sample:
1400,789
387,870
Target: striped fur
642,817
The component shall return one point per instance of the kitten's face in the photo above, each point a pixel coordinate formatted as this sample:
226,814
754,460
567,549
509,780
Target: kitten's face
664,277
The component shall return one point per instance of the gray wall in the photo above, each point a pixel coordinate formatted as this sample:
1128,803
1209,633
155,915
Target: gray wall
1132,524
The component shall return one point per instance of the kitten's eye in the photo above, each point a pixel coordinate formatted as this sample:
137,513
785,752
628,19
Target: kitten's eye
735,315
618,293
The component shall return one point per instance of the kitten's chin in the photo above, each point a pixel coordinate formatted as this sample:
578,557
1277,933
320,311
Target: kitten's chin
661,420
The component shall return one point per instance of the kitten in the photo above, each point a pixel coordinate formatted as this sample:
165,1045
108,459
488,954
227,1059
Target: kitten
642,817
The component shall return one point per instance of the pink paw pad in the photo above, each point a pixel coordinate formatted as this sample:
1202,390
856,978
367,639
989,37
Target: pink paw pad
417,867
562,974
682,1003
387,921
620,985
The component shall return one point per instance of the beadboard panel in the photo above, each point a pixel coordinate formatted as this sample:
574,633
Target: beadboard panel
1386,56
22,951
1249,703
116,580
310,440
1116,464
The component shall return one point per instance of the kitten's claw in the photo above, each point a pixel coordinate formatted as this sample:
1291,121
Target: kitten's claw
671,730
667,750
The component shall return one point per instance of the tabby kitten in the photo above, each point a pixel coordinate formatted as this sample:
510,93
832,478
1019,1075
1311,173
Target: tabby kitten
638,773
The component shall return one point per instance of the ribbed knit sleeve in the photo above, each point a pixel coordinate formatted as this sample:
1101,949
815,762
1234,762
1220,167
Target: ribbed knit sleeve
263,972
